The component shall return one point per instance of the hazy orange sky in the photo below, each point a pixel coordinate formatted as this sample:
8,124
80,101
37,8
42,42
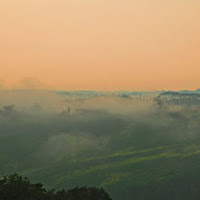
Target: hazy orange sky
100,44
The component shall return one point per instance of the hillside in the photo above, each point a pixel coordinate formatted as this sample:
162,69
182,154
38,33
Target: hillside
143,153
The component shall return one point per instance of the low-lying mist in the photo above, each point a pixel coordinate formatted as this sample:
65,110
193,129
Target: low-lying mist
108,140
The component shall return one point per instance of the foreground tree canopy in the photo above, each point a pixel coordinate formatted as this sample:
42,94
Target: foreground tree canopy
16,187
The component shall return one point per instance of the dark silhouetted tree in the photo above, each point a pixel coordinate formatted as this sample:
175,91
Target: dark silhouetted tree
16,187
87,193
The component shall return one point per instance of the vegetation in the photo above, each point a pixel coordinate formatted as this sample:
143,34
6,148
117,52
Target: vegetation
16,187
185,99
128,146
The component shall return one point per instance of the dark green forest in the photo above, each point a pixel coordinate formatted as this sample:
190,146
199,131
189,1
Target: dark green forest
130,146
16,187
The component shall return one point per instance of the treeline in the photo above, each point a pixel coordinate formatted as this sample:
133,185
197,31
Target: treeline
176,98
17,187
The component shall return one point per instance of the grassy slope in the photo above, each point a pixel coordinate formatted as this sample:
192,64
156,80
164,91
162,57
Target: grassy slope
162,147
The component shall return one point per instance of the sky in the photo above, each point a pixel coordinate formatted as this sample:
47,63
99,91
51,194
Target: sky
100,44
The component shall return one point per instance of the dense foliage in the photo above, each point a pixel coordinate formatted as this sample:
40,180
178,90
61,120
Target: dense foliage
16,187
